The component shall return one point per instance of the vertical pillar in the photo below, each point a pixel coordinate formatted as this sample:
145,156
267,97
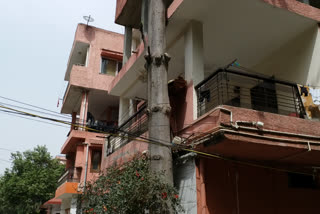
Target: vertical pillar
313,77
73,120
127,44
73,205
194,65
123,109
87,56
132,107
144,16
84,109
65,204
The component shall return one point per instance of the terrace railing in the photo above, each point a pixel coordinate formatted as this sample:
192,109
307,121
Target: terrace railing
240,89
70,175
133,127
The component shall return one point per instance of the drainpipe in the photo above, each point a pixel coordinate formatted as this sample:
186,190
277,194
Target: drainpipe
86,166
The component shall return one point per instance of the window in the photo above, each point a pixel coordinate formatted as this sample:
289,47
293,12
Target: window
110,67
95,160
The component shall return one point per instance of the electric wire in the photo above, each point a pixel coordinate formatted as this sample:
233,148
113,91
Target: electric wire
61,116
9,150
34,106
19,115
204,154
5,160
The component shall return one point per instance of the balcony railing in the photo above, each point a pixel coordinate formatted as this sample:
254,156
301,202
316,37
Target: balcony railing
239,89
70,175
133,127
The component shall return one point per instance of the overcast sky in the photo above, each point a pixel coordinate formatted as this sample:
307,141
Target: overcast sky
36,38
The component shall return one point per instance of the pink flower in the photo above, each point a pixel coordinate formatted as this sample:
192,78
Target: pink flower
164,195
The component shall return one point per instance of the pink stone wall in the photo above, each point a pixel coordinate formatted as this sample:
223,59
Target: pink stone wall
99,40
80,156
124,154
128,65
297,7
271,121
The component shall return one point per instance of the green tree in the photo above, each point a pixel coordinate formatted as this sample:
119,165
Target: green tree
130,188
30,182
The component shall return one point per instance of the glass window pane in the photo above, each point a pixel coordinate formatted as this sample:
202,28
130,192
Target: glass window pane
108,67
96,160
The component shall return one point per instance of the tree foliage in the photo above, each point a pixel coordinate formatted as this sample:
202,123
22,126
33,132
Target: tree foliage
130,188
30,182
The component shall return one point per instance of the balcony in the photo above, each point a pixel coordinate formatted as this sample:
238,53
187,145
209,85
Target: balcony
68,183
252,117
133,127
71,175
251,91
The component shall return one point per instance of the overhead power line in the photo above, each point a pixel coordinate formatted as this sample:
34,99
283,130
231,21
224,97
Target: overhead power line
34,106
5,160
7,149
41,112
28,118
148,140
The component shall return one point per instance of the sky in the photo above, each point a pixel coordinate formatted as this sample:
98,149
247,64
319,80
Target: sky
36,39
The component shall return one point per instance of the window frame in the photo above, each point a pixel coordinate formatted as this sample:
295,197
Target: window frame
102,66
91,163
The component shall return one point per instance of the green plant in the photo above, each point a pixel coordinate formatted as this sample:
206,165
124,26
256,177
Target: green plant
31,181
130,188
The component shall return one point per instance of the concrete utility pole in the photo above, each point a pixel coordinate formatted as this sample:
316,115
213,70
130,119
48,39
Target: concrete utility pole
158,99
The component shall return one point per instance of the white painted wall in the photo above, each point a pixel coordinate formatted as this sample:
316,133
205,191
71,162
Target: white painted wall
194,58
65,204
185,181
296,60
73,205
314,71
123,110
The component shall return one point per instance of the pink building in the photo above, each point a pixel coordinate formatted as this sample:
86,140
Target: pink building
238,89
95,58
234,95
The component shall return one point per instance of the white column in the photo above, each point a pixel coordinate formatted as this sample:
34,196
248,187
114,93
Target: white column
194,58
65,204
123,110
314,69
132,107
144,15
127,43
84,109
73,205
87,56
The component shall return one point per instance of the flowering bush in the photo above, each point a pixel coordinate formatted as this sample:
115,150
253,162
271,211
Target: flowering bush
130,188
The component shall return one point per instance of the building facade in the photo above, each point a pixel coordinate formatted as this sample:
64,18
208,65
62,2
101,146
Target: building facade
95,58
243,82
239,77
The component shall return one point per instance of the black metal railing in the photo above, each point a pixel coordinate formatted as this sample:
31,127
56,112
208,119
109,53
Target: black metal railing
70,175
240,89
94,125
133,127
